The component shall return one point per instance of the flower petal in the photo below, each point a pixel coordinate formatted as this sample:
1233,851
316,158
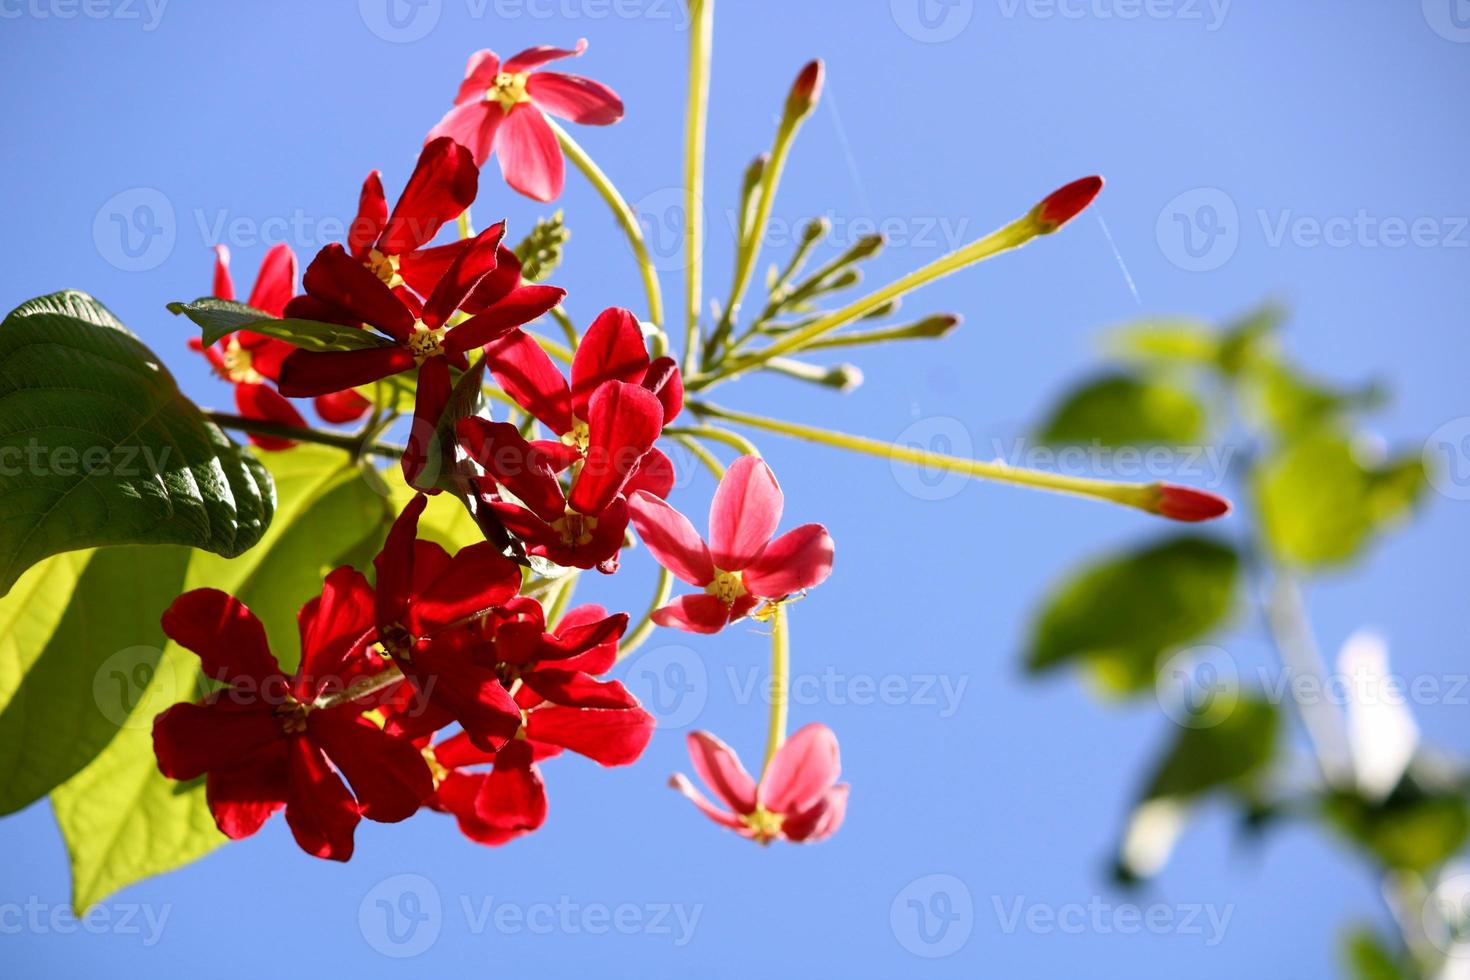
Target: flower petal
797,560
575,98
395,565
335,629
337,278
718,765
308,373
477,578
472,125
320,812
745,513
624,420
243,798
515,464
525,372
681,783
470,265
341,407
262,402
612,349
574,689
671,539
229,640
224,286
192,739
276,281
696,613
803,768
442,185
530,157
512,798
520,307
420,462
533,58
388,775
372,215
820,821
479,75
665,381
609,736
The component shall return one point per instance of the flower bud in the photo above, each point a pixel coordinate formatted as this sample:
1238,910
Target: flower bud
1064,204
1187,504
806,91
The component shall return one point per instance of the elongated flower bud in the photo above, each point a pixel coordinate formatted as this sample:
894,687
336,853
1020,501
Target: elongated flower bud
806,91
1187,504
1064,204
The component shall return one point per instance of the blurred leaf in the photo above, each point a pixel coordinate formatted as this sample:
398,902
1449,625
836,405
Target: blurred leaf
1172,341
1365,957
1248,340
1292,404
1417,828
1319,504
121,819
1124,410
78,688
1123,614
221,317
117,454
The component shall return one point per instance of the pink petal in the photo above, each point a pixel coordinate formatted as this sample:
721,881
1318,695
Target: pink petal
744,514
820,821
479,75
696,613
532,58
681,783
224,286
572,97
530,157
720,768
804,768
671,539
797,560
472,125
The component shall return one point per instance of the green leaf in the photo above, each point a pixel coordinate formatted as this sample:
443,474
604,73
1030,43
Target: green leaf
99,447
1366,958
1418,828
1320,504
1170,341
1123,614
1292,404
122,820
86,670
220,318
1125,410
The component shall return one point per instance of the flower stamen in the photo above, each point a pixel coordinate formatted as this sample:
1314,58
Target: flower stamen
509,89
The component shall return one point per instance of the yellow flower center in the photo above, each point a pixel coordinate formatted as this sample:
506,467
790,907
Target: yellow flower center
764,823
239,365
436,769
727,587
509,89
292,716
579,436
424,343
575,529
385,267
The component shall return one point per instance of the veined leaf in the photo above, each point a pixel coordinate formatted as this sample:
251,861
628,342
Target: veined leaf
220,317
99,447
1125,410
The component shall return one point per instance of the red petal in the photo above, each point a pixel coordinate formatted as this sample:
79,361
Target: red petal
672,540
744,514
229,640
665,381
819,822
442,185
276,281
718,765
797,560
388,775
192,739
1187,504
612,349
421,457
804,768
655,475
520,307
1061,206
395,565
532,58
572,97
372,215
307,373
525,372
530,157
512,798
503,280
320,811
224,286
470,265
610,736
472,125
341,407
623,422
477,579
266,353
696,613
335,629
577,690
243,798
515,464
258,401
337,278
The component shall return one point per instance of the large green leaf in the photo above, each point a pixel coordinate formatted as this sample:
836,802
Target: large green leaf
1320,504
99,447
85,675
1124,410
221,317
1417,828
1123,614
121,819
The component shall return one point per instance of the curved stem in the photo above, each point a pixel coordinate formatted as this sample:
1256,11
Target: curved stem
626,218
711,433
641,632
780,683
337,440
701,34
710,461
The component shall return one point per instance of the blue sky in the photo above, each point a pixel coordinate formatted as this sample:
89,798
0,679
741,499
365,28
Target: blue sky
1285,139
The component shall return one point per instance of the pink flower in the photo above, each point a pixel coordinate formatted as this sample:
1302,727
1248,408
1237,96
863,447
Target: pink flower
798,798
741,567
499,108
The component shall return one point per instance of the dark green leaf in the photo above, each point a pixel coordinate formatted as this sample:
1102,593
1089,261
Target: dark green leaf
1124,410
99,447
1123,614
220,318
1417,828
1366,958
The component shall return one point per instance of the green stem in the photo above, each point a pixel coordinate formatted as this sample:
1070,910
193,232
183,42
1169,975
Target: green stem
1012,236
626,218
1129,494
466,229
644,629
350,443
710,461
711,433
568,329
701,35
362,687
780,683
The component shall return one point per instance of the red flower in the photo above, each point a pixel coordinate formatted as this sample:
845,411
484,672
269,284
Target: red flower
267,742
583,528
426,609
798,798
741,566
499,109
